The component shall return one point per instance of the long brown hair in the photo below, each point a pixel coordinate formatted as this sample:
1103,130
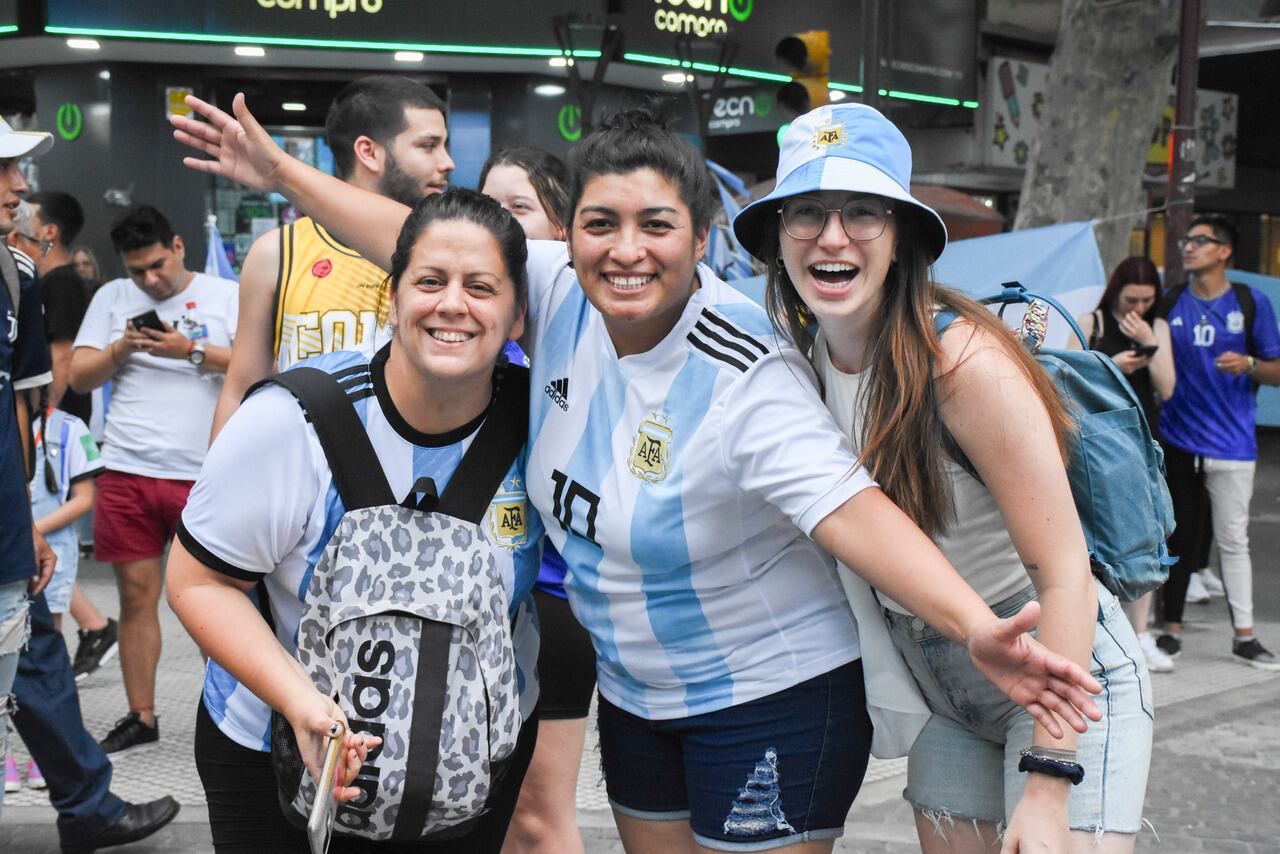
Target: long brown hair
903,439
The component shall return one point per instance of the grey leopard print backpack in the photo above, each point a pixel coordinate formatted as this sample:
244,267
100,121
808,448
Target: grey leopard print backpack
405,626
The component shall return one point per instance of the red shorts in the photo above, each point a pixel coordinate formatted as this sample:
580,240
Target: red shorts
136,516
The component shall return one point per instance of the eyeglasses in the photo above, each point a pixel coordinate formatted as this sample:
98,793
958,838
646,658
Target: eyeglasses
862,218
1199,241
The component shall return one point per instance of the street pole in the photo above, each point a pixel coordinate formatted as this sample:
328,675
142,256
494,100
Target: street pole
1180,197
871,35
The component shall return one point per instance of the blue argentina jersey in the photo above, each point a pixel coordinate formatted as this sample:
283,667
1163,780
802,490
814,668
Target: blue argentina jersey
1211,413
680,485
265,506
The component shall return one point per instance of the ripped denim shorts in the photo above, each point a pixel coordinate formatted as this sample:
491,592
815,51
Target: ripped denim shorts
764,774
964,765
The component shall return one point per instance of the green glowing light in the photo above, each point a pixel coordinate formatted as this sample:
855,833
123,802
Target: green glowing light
8,28
926,99
345,44
482,50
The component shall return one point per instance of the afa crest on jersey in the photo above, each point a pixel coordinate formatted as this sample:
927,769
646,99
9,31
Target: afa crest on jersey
1235,322
650,458
508,516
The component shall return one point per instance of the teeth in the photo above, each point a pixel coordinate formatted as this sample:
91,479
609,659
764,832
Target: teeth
625,282
450,337
833,267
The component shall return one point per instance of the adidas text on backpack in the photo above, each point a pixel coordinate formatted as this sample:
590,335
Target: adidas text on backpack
1116,467
406,626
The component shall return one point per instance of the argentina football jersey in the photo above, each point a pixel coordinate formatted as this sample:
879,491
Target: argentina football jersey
680,486
282,516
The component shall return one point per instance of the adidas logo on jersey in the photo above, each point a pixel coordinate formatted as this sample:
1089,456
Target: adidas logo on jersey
558,390
1177,321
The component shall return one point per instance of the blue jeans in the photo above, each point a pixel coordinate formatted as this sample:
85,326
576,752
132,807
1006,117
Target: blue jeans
964,765
48,719
13,636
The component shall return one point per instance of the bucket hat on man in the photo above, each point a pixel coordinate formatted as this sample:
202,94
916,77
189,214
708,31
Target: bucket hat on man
847,147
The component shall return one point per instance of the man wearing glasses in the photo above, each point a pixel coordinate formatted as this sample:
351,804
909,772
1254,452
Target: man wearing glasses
1225,343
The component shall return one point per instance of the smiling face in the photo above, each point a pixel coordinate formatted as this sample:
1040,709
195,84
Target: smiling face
510,185
417,162
12,185
840,279
636,250
455,307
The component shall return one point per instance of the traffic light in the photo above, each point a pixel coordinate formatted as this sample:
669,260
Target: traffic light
807,56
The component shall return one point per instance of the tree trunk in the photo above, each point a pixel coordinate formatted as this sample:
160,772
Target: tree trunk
1109,78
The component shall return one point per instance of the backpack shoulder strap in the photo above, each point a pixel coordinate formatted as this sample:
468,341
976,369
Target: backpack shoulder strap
503,434
1170,299
1249,308
1095,337
9,270
357,472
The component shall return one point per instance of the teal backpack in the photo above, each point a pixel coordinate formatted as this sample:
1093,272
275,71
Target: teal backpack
1116,467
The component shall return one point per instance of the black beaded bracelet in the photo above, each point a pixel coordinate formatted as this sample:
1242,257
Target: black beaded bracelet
1072,771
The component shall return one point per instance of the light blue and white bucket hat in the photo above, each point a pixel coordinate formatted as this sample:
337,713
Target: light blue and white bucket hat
848,147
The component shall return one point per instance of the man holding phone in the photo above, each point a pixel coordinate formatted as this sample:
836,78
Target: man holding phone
162,337
1225,344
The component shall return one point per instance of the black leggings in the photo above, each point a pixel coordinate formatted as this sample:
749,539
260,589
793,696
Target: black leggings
1193,527
244,815
566,661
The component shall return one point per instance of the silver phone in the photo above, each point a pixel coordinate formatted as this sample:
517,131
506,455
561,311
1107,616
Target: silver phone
325,808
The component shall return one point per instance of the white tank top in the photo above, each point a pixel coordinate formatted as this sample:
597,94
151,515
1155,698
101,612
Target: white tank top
977,544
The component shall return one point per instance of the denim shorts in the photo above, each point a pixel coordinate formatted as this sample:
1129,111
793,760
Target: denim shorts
964,765
772,772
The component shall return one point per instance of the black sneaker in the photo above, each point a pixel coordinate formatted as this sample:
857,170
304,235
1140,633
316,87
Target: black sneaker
130,733
1255,654
96,648
1170,645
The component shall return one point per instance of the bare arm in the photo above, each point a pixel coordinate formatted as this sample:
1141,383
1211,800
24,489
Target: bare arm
253,352
1085,322
60,356
1163,376
78,503
243,151
228,627
92,368
1000,423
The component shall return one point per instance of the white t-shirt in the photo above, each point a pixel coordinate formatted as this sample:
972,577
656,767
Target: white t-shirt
680,485
265,506
977,543
161,409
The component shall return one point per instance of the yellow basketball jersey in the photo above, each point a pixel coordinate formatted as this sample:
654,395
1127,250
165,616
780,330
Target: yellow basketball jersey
328,298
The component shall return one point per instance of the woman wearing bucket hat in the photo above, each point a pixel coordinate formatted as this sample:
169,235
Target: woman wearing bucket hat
848,247
680,456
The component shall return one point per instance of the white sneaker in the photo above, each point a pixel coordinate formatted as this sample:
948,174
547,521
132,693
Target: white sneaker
1196,592
1157,660
1211,582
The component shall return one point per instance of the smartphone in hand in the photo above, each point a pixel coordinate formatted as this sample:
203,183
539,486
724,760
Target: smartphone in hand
325,808
1149,350
147,320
